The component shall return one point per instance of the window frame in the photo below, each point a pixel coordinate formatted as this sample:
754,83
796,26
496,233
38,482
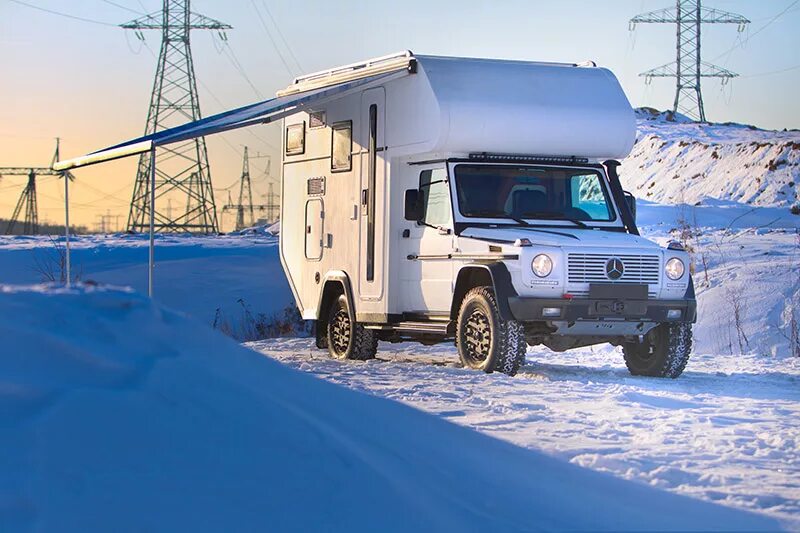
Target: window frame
342,124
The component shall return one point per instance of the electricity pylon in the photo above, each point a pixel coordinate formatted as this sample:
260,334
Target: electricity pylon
27,200
273,205
246,205
181,168
688,68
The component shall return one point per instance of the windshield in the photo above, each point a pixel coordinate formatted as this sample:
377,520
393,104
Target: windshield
532,192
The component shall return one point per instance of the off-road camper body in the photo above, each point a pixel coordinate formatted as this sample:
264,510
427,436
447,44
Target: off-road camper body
475,200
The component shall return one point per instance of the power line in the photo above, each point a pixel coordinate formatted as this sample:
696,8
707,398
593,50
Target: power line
280,34
762,28
61,14
769,73
271,38
126,8
238,66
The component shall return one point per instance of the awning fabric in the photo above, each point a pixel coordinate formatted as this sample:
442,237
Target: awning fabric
258,113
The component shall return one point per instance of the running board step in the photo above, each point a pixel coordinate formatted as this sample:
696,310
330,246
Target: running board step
437,328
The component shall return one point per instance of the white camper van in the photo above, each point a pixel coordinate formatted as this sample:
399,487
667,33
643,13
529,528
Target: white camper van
447,199
476,201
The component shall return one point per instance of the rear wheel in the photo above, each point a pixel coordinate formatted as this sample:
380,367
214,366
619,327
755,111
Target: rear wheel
346,338
663,353
484,340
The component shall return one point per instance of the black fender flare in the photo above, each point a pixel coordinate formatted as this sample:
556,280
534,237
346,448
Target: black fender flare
341,278
501,283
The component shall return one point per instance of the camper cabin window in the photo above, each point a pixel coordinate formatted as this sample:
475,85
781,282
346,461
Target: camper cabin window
296,139
316,119
342,146
435,197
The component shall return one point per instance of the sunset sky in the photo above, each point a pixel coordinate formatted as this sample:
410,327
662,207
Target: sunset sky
89,82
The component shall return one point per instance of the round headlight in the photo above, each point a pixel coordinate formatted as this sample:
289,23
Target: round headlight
674,268
542,265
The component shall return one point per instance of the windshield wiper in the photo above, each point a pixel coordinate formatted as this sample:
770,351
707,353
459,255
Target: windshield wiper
491,213
555,216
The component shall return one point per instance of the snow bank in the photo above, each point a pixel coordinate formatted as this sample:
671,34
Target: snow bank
687,162
116,414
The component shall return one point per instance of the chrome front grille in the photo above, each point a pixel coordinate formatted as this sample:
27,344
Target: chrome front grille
591,268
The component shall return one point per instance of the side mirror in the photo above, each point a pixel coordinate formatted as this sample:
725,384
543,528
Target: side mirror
412,207
631,201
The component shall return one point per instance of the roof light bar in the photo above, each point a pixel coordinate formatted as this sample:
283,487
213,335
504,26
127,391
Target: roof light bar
516,158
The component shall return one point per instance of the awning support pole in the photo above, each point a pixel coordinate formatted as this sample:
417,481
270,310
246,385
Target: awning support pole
152,221
66,176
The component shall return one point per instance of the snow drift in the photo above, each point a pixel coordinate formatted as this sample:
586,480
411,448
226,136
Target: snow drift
117,414
686,162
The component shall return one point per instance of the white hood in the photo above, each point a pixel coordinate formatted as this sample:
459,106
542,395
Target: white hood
560,237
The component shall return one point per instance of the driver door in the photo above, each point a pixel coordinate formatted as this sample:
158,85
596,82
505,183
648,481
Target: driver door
428,278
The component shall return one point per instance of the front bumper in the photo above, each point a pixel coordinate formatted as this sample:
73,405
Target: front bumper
532,309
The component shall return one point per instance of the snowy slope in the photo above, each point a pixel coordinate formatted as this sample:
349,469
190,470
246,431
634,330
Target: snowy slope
118,415
687,162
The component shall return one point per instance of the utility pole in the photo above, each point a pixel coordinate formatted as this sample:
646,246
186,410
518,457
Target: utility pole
174,100
688,68
27,200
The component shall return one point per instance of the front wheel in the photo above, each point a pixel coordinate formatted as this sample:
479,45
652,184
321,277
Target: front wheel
484,340
346,338
663,353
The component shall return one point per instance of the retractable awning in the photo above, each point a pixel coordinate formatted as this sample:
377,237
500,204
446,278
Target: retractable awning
258,113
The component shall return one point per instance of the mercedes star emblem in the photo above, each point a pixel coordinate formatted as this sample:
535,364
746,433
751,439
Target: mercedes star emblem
614,268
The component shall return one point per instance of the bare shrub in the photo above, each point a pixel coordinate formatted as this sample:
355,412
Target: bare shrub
248,326
51,263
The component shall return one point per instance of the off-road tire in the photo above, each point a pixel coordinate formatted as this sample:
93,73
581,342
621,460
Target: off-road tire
348,339
664,352
484,340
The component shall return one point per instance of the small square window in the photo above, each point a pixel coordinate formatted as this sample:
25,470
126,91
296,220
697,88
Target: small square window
296,139
342,146
316,119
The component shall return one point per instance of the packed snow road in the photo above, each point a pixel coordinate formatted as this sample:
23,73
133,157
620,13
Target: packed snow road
726,431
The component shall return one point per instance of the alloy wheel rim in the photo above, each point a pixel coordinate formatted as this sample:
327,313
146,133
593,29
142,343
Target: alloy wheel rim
478,336
340,332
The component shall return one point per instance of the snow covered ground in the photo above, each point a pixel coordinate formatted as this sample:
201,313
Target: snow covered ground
120,415
726,431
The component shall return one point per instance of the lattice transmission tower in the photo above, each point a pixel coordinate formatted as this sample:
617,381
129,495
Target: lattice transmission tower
245,208
688,68
27,209
182,169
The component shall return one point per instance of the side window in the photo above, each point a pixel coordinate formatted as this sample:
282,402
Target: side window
587,195
435,197
342,146
296,139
